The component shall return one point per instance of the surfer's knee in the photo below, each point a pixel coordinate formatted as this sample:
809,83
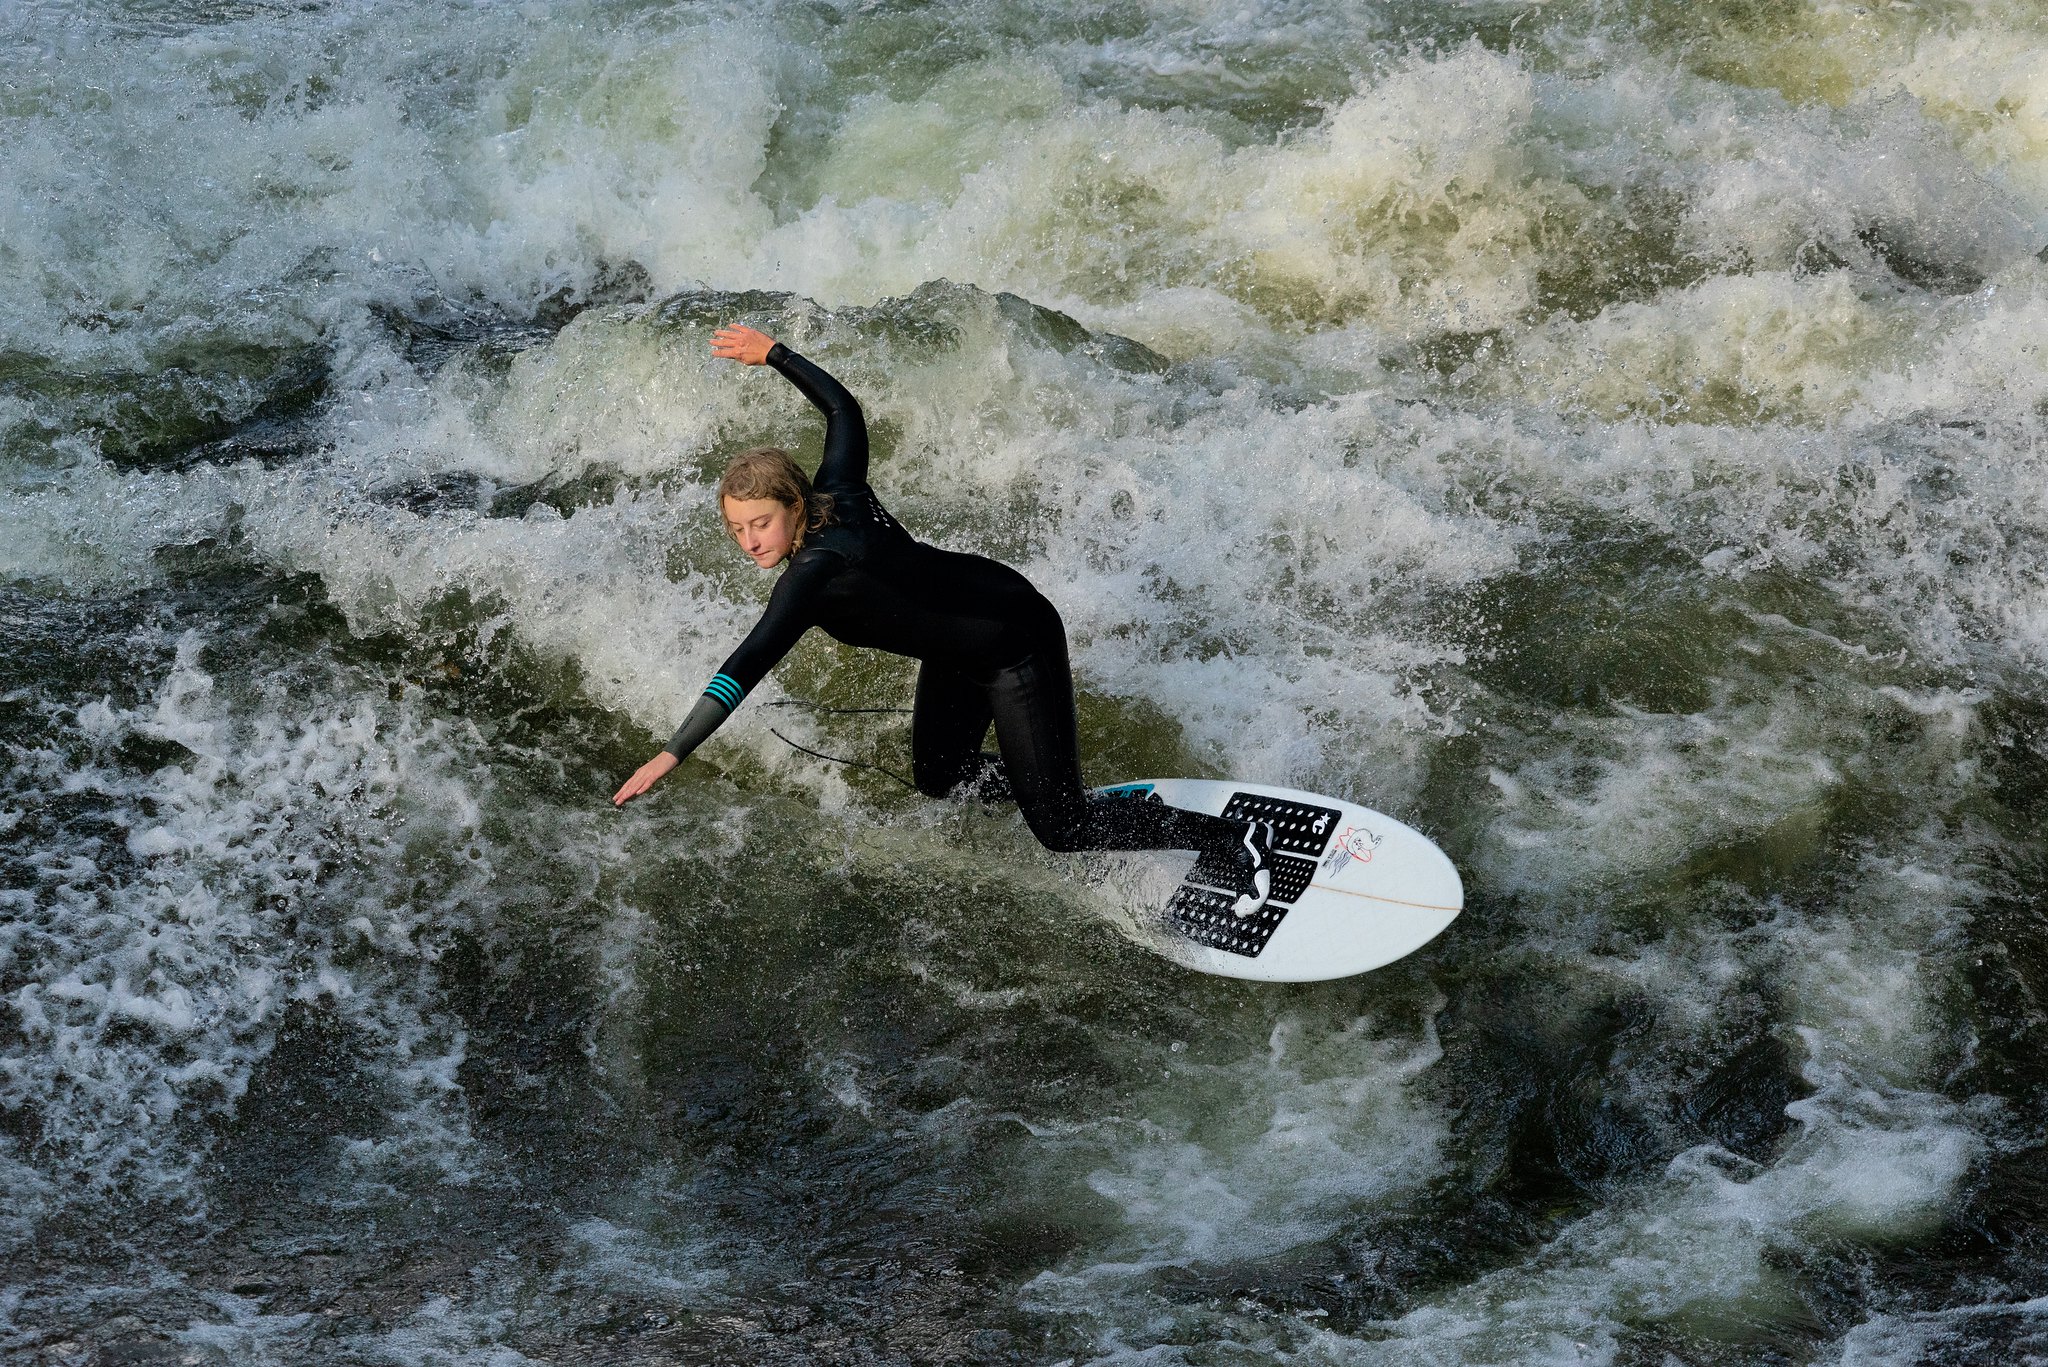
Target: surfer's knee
1059,827
934,780
1061,839
980,775
944,776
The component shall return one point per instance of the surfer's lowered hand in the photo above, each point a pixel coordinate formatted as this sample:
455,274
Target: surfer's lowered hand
738,342
645,777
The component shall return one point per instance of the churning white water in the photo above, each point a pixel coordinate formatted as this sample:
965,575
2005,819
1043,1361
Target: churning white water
1607,434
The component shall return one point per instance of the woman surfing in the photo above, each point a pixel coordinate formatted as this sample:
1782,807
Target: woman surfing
992,648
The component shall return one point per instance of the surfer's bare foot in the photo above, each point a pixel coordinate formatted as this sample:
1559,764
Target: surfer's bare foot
1255,868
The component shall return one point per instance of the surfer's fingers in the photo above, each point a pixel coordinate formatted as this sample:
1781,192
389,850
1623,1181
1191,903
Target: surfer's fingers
739,342
645,777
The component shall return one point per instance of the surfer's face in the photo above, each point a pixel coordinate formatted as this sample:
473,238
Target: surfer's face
764,527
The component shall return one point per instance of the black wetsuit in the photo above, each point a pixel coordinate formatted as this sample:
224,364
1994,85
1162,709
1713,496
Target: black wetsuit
993,650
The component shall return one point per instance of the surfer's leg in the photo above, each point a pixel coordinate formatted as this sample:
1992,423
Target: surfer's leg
1033,704
948,722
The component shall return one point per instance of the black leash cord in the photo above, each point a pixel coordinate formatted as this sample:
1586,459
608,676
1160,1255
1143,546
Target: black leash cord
838,711
850,763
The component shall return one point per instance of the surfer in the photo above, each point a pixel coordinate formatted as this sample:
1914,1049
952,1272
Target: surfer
992,648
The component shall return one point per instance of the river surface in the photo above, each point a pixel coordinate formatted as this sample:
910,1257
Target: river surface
1609,435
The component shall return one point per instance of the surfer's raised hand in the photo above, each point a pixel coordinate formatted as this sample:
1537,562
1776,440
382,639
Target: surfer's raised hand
738,342
645,777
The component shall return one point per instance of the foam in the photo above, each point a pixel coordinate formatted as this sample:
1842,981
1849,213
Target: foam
99,529
1833,180
1250,1155
163,969
1688,1248
994,172
1631,793
1898,1340
1978,83
441,1331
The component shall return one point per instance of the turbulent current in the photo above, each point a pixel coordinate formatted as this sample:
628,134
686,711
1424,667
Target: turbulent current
1609,435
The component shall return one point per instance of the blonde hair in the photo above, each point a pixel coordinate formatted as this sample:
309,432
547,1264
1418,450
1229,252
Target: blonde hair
770,472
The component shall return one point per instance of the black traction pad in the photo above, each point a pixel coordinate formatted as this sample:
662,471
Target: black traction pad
1291,878
1204,916
1202,913
1290,875
1298,828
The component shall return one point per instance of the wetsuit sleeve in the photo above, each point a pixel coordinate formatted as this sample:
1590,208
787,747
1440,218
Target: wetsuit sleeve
791,610
846,430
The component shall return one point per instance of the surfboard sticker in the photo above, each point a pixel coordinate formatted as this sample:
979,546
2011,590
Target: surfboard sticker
1352,888
1127,790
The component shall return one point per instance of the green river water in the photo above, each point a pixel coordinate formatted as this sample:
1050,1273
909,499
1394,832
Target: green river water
1609,435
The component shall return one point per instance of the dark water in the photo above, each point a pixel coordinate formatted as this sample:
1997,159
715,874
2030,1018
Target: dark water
1607,436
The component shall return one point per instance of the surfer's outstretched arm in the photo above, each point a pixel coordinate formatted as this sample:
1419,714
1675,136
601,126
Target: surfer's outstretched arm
846,430
789,615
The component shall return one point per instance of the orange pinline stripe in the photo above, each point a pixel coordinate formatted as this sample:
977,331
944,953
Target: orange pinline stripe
1375,897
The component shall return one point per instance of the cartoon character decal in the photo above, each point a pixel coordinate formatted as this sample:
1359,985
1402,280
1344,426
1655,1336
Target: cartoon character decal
1353,842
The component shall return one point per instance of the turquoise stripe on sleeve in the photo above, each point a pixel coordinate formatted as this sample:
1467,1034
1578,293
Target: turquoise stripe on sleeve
725,690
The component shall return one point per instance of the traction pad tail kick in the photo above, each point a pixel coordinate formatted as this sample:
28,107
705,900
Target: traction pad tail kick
1201,910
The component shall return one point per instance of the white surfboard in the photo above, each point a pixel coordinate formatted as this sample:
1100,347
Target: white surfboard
1352,888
